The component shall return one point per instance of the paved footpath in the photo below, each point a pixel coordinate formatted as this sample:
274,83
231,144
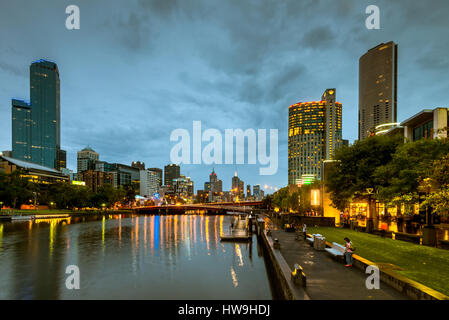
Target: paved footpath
328,279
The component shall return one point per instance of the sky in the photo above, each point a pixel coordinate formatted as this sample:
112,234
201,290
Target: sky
137,70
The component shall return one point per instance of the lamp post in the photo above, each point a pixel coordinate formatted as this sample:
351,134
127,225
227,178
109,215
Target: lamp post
35,200
429,235
370,219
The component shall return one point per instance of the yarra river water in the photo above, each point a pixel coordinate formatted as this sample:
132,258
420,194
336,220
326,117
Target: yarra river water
130,257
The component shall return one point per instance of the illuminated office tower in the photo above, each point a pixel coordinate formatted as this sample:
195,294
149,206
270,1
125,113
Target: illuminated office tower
334,138
21,130
315,133
171,171
377,88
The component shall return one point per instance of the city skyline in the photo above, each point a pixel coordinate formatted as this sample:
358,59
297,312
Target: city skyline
251,77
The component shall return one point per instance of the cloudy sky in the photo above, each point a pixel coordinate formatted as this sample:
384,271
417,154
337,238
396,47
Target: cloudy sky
138,69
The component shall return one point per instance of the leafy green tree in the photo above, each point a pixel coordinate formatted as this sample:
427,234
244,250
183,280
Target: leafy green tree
411,163
353,173
439,198
15,189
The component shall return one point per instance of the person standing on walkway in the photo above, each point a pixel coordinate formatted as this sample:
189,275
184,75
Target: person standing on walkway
348,252
304,231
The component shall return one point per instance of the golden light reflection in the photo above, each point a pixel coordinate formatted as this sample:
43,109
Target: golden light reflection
145,232
221,225
103,224
201,228
194,230
120,231
238,252
235,281
152,234
1,237
176,230
53,225
215,231
207,232
161,230
446,235
190,229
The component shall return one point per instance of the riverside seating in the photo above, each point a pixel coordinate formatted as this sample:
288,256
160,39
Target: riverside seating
312,239
337,250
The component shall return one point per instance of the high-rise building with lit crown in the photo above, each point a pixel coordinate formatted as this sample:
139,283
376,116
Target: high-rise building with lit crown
315,133
377,88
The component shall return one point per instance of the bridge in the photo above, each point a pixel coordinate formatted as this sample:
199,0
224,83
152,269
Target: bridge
202,208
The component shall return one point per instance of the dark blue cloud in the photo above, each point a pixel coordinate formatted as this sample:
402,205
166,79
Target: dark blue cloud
137,70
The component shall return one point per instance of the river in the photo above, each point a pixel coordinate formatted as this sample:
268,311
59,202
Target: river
130,257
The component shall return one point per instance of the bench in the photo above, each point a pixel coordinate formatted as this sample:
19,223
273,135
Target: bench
337,250
407,237
312,239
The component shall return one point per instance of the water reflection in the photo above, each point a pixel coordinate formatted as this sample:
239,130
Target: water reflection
138,257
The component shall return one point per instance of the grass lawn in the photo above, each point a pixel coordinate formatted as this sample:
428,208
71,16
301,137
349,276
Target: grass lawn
426,265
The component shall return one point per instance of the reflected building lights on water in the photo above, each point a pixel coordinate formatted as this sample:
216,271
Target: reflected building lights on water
131,251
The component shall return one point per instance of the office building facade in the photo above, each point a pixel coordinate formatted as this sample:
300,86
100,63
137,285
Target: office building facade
427,124
377,88
95,180
86,159
149,183
159,174
171,171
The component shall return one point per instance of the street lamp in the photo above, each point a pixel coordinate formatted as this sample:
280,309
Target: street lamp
369,220
429,233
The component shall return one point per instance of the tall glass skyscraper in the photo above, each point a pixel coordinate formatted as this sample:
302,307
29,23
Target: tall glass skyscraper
21,130
45,102
378,88
44,114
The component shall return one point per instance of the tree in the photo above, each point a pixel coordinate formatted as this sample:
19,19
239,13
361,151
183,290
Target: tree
354,171
16,189
439,199
411,163
130,194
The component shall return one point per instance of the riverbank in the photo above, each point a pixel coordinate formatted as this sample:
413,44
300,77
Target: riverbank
426,265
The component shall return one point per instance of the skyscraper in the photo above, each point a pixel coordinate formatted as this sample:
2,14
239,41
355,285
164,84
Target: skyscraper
86,159
235,183
377,88
159,174
21,130
41,143
216,184
46,112
256,192
149,182
171,171
315,132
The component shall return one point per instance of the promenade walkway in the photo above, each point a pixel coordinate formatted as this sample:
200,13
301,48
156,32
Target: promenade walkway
328,279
